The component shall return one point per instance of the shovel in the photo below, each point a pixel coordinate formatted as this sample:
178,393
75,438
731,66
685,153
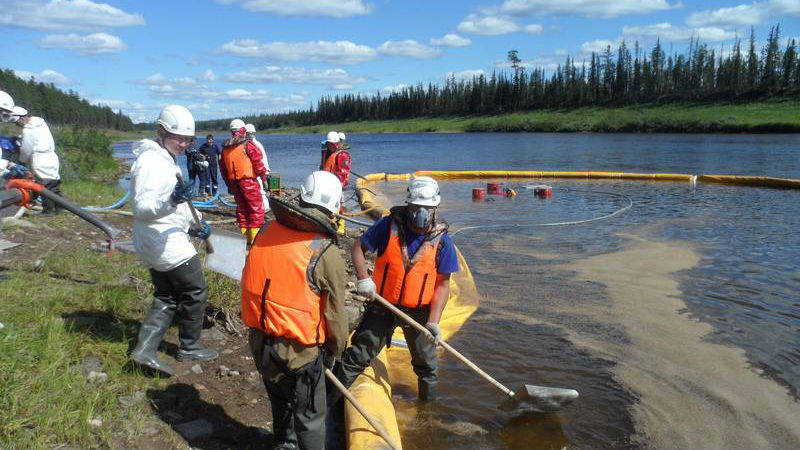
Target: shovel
209,246
528,398
371,420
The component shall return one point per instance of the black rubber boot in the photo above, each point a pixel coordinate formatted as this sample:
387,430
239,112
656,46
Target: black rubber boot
190,326
427,391
151,332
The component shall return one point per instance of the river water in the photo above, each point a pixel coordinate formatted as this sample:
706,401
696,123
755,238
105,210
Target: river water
678,320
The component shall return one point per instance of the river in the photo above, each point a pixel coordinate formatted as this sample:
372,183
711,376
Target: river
678,320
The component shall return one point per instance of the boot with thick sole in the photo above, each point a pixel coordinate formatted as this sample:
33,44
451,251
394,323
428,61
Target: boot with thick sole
151,332
190,326
427,391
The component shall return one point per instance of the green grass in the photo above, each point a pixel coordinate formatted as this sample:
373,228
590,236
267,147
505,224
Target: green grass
757,117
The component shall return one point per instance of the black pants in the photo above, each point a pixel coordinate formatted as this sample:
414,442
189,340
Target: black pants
297,396
204,187
54,186
185,290
374,333
212,176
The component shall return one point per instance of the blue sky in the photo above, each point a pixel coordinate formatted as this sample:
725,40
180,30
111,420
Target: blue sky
223,58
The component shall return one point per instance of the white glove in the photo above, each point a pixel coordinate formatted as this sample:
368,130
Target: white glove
205,163
435,331
366,287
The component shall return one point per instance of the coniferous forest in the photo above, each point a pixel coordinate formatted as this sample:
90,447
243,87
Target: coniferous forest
627,75
58,107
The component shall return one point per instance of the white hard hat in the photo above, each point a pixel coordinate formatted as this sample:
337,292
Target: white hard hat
333,137
236,124
322,189
342,137
423,191
19,111
177,120
250,128
6,102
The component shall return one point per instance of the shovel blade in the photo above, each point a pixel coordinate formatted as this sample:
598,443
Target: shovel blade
230,250
540,399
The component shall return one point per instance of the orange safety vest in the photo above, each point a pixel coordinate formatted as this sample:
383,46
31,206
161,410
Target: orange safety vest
279,296
330,162
409,282
237,164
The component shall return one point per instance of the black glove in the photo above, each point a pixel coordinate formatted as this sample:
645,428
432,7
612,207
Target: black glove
18,171
203,231
183,193
329,359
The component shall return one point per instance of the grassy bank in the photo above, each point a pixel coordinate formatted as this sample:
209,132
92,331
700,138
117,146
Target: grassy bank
759,117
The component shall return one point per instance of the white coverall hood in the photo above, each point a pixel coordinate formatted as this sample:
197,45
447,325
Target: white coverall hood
159,227
38,149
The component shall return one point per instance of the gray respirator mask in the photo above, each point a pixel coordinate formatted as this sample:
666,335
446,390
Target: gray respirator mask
421,218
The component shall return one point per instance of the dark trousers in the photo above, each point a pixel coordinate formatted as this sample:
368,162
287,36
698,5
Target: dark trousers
212,175
54,186
374,333
204,186
184,290
297,396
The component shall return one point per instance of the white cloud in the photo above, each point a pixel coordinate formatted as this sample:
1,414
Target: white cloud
208,75
744,14
330,8
92,44
561,52
45,76
395,88
487,25
534,28
343,52
409,48
536,63
592,8
597,46
183,88
465,74
275,74
665,31
65,15
451,40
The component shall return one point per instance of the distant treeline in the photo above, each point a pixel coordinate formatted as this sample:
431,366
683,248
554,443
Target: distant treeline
58,107
622,77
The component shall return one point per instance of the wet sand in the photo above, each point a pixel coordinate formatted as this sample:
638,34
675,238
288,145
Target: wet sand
692,393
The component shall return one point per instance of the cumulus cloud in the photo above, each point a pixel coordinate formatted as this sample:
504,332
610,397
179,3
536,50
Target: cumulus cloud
275,74
451,40
330,8
91,44
408,48
596,46
45,76
395,88
534,28
666,31
208,75
592,8
65,15
465,74
744,14
487,25
344,52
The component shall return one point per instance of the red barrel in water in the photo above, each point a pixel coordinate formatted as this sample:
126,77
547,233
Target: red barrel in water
494,188
478,193
543,191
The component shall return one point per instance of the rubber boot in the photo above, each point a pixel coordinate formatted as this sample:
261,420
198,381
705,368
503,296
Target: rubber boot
190,326
427,391
151,332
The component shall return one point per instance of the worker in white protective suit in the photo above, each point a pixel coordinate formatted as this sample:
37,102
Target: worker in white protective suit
251,136
38,151
8,169
162,226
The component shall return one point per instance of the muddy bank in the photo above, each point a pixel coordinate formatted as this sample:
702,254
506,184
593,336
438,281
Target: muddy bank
692,393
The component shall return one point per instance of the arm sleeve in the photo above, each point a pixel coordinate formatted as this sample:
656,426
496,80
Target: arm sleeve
377,237
152,191
446,258
331,277
254,154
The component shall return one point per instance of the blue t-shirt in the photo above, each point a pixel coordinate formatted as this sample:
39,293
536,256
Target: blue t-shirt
377,238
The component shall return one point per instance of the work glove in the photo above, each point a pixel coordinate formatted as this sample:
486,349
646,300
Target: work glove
18,171
183,193
203,231
435,331
366,287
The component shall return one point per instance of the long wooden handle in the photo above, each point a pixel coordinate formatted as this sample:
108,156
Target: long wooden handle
209,247
444,345
371,420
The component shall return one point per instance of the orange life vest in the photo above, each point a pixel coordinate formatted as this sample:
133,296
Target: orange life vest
237,164
278,293
330,162
404,281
